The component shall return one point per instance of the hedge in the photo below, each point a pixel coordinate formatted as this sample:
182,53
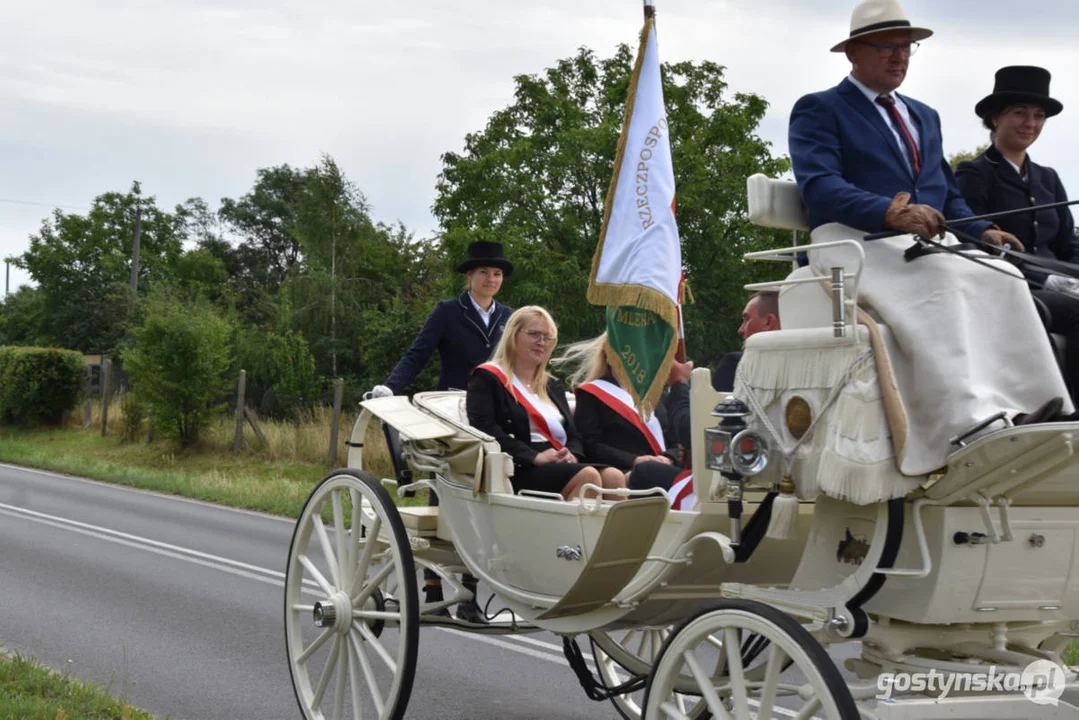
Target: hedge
37,385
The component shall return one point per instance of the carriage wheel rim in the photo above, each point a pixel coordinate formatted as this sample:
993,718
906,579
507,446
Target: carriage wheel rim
338,575
619,653
821,692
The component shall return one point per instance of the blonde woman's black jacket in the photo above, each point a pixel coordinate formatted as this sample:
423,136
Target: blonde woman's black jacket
990,184
493,410
611,439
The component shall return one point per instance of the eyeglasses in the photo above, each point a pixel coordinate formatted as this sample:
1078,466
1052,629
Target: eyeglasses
538,335
907,48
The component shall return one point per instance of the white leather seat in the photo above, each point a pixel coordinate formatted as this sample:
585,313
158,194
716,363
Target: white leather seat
775,203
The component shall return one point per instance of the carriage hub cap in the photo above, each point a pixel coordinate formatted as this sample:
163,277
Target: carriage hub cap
334,612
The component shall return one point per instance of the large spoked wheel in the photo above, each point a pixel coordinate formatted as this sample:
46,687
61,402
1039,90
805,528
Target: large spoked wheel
794,677
623,655
351,603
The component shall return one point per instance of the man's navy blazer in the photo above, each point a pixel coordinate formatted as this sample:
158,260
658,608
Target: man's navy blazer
849,166
456,330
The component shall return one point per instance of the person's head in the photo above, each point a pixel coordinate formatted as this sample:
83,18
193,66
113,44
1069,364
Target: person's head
1016,110
485,268
484,282
880,44
584,361
761,314
528,340
879,61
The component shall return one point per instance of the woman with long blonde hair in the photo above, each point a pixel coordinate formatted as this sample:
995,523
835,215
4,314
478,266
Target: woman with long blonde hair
611,430
514,399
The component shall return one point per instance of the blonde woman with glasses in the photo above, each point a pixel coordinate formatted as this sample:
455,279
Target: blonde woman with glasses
514,399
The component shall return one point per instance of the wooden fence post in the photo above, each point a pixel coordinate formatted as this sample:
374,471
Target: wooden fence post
241,391
338,393
89,406
104,395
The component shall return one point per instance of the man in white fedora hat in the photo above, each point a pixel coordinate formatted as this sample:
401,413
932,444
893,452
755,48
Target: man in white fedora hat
868,159
856,147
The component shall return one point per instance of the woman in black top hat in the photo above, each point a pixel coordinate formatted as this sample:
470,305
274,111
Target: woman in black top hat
465,330
1005,178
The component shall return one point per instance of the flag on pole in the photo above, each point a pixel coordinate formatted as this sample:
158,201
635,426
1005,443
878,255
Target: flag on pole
637,268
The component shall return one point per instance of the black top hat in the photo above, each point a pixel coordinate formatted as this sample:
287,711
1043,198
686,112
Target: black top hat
486,254
1016,85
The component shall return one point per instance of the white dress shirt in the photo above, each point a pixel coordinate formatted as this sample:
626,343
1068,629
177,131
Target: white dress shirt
904,113
485,315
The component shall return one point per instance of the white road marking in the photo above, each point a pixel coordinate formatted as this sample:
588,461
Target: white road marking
253,572
272,577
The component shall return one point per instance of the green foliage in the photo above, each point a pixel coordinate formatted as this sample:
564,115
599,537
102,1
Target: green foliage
537,176
134,412
22,317
962,155
281,379
82,266
37,385
178,361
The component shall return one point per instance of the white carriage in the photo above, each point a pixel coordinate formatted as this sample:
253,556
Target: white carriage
937,582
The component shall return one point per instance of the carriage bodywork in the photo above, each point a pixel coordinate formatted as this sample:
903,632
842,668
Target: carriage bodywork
970,568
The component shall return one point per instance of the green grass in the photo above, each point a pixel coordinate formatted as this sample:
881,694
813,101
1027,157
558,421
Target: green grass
1071,654
209,472
30,691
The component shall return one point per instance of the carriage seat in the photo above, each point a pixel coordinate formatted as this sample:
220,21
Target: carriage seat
776,203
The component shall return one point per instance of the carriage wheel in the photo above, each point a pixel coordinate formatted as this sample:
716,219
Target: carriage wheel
622,654
351,603
795,676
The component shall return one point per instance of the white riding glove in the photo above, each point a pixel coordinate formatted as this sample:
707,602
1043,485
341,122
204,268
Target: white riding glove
379,391
1061,284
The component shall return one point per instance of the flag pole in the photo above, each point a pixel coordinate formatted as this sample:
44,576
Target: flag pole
680,353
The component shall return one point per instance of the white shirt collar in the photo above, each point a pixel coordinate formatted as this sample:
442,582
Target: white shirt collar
872,95
485,315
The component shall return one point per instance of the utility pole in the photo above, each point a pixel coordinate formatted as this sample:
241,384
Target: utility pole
333,288
135,256
7,280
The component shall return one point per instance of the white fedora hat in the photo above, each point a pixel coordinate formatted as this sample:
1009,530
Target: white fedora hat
873,16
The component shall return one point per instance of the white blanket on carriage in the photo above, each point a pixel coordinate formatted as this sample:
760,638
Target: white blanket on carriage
965,341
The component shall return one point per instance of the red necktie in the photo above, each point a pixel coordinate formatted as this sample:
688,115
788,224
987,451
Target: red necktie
888,102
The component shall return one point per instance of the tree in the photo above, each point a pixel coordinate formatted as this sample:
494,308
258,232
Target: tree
82,266
962,155
22,316
265,220
536,179
177,360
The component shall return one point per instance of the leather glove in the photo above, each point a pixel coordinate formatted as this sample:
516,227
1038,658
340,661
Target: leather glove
379,391
995,236
919,220
1061,284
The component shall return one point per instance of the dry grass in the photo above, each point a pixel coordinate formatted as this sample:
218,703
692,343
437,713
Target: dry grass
307,442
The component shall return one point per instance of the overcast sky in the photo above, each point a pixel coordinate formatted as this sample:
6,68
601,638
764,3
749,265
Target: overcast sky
191,96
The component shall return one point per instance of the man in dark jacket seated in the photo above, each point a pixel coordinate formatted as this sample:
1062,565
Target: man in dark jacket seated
761,314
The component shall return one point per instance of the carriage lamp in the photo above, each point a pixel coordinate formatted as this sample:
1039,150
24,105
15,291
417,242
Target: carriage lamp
731,448
736,452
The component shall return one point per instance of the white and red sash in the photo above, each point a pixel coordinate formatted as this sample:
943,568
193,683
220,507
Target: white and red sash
617,399
534,415
681,492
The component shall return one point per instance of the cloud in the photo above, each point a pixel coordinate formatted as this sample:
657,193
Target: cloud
190,97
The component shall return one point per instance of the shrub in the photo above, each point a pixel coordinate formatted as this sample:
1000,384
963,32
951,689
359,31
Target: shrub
37,385
178,362
281,379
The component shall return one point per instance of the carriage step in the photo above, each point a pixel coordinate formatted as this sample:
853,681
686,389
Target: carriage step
419,520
